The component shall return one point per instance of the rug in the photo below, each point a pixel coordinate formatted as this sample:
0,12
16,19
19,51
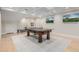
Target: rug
24,43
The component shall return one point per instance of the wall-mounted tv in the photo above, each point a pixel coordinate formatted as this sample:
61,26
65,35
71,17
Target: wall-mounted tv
50,19
73,17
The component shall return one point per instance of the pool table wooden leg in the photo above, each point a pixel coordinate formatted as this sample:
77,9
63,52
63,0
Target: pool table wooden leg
40,38
28,33
48,35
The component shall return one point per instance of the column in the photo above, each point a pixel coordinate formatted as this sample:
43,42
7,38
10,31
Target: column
58,22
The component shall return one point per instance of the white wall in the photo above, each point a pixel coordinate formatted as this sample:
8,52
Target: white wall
58,21
41,22
10,20
59,26
68,28
0,24
71,28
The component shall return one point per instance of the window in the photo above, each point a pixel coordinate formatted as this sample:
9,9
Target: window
71,17
50,19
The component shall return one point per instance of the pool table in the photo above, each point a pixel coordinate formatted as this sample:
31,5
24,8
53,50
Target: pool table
40,32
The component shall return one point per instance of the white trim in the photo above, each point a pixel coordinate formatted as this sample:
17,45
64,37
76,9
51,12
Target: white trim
8,32
66,35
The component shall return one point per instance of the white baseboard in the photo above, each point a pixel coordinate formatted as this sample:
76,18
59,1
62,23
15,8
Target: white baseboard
7,33
66,35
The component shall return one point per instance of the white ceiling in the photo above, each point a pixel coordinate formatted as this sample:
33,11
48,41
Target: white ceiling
41,11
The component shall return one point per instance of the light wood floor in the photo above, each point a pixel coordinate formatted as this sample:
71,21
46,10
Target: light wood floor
7,45
73,46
